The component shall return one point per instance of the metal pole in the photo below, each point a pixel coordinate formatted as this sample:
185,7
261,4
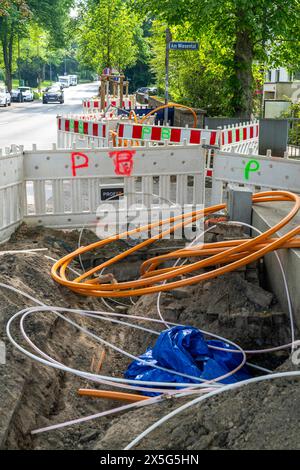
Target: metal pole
19,59
168,40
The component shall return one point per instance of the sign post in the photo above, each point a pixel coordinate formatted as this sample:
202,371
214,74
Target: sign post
174,46
168,41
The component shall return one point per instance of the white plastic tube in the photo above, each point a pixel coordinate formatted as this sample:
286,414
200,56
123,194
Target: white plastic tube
198,400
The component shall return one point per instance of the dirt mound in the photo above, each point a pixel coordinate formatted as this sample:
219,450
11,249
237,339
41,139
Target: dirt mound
33,396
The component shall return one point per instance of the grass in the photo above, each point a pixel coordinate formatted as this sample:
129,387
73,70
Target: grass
15,84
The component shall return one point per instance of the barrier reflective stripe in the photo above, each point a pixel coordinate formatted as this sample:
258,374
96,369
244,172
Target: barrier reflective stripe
84,127
171,134
239,134
96,104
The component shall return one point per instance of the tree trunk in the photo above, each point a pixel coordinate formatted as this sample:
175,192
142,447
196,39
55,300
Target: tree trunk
242,100
7,48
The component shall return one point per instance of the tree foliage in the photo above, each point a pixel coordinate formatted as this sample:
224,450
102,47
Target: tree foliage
264,31
17,15
107,35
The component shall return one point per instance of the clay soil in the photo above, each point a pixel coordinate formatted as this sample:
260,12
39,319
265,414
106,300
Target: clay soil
262,416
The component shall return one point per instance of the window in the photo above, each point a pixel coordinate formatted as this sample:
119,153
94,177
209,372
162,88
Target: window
277,75
297,75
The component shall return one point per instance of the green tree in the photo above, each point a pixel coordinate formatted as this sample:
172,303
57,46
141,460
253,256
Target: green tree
140,74
253,30
198,79
107,34
17,15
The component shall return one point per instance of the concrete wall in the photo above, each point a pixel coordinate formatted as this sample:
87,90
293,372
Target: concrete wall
182,117
264,217
217,122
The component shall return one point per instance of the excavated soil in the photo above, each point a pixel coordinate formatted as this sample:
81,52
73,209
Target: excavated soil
261,416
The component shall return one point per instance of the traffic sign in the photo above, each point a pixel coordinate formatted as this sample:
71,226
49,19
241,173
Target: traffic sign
184,46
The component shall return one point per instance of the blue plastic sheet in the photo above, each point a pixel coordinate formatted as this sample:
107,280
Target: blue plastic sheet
185,350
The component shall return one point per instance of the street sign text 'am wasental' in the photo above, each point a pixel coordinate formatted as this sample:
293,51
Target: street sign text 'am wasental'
183,46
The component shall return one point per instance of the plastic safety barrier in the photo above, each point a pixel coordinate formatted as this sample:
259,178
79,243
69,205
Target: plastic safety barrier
81,132
139,132
65,188
253,171
11,191
95,105
238,134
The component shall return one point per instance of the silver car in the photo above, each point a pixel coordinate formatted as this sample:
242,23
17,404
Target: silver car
27,93
23,93
5,98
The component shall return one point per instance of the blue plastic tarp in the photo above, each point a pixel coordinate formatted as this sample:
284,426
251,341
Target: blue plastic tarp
185,350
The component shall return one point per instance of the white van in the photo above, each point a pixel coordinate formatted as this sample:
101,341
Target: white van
73,80
65,81
5,98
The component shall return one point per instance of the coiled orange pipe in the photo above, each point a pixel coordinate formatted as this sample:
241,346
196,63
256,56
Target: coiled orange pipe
224,256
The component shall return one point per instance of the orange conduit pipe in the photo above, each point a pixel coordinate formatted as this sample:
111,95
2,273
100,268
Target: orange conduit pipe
133,115
223,256
171,105
127,397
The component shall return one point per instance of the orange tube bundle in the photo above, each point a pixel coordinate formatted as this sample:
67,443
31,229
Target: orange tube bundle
224,256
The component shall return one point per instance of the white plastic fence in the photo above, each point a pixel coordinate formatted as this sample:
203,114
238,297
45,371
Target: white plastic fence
11,191
254,171
83,133
91,106
242,138
64,188
173,135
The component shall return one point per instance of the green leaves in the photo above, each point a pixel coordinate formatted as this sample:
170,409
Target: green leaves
247,31
107,36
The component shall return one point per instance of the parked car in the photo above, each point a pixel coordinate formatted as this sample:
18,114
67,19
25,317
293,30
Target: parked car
5,98
53,94
147,90
23,93
142,90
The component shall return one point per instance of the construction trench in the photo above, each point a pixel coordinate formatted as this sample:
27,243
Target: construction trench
83,317
237,305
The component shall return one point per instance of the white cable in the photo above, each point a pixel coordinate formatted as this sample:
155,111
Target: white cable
18,252
290,308
205,397
177,261
24,313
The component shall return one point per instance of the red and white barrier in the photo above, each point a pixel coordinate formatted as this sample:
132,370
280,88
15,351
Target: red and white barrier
82,132
243,139
91,106
176,135
238,134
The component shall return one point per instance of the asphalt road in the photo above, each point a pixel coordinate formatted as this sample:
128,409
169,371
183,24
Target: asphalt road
35,123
